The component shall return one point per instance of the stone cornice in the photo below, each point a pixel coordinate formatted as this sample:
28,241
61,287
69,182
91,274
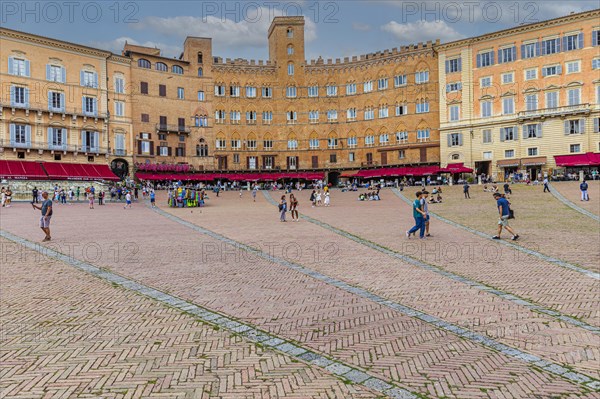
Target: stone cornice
371,63
59,44
592,15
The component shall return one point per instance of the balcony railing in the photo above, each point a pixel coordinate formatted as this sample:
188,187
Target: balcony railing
161,127
43,107
558,111
43,145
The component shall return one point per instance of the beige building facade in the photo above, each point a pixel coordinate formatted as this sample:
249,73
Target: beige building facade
513,100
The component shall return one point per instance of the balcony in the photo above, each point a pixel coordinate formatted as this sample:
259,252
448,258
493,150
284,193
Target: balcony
41,108
160,127
45,146
580,109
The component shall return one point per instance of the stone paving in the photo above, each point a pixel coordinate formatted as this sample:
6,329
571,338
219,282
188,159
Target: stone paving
570,190
388,344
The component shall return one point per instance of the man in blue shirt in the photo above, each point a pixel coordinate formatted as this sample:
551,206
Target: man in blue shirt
419,216
504,211
584,191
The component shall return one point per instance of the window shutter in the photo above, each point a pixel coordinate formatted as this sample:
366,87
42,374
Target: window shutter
449,140
95,80
95,100
10,66
62,102
49,134
524,132
582,126
447,88
63,137
169,151
151,149
564,43
459,85
543,72
500,60
594,39
514,53
516,133
596,125
544,48
83,140
460,64
566,128
139,147
537,49
50,107
26,97
478,60
27,135
12,96
522,51
447,66
97,140
492,58
460,139
83,104
47,71
13,133
557,41
559,69
81,78
580,41
502,134
63,75
539,130
27,68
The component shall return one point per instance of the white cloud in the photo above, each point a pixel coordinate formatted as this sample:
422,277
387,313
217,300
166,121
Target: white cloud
116,46
359,26
421,31
251,32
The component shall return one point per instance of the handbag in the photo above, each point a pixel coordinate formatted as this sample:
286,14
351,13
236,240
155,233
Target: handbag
511,214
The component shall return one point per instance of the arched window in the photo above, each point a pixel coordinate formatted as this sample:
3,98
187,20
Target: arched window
455,157
161,66
290,33
200,58
200,72
143,63
291,69
290,49
177,69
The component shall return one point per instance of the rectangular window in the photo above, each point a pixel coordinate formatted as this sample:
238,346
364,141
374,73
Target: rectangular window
290,92
382,84
573,42
145,117
508,78
596,63
220,90
573,67
574,96
144,87
399,80
56,102
455,140
401,154
507,134
509,153
236,144
531,102
332,115
421,77
331,91
267,117
352,141
236,158
574,126
453,87
267,92
220,116
290,69
20,135
235,117
292,117
351,114
163,151
402,137
384,139
532,131
368,86
57,137
89,106
486,109
351,157
530,50
423,135
552,99
508,106
550,46
55,73
485,59
508,54
250,92
486,81
89,79
234,91
487,136
531,74
119,108
575,148
180,93
383,112
422,107
454,112
351,89
401,109
332,142
313,116
313,91
487,155
251,117
162,90
369,114
18,66
370,140
596,37
453,65
119,85
551,70
200,95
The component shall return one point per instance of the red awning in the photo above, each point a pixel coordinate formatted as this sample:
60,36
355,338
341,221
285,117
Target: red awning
456,168
22,170
78,171
589,159
400,171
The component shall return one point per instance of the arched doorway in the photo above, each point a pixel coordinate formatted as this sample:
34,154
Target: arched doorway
120,167
333,178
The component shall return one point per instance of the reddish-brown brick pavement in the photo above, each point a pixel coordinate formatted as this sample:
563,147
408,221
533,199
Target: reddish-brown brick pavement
570,190
66,334
354,263
544,223
290,304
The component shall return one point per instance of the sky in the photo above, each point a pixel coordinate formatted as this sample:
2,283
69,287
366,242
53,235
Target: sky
334,29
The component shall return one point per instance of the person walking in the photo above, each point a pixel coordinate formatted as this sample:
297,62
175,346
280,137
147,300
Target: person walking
127,200
282,209
466,191
425,209
546,188
313,198
584,191
46,209
101,198
254,190
294,207
327,199
90,198
3,196
135,193
152,199
504,212
78,192
419,216
34,195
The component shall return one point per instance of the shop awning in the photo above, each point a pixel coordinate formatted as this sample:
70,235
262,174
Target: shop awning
22,170
456,168
508,163
588,159
400,171
78,171
535,161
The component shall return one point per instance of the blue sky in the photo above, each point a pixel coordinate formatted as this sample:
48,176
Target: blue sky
239,28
